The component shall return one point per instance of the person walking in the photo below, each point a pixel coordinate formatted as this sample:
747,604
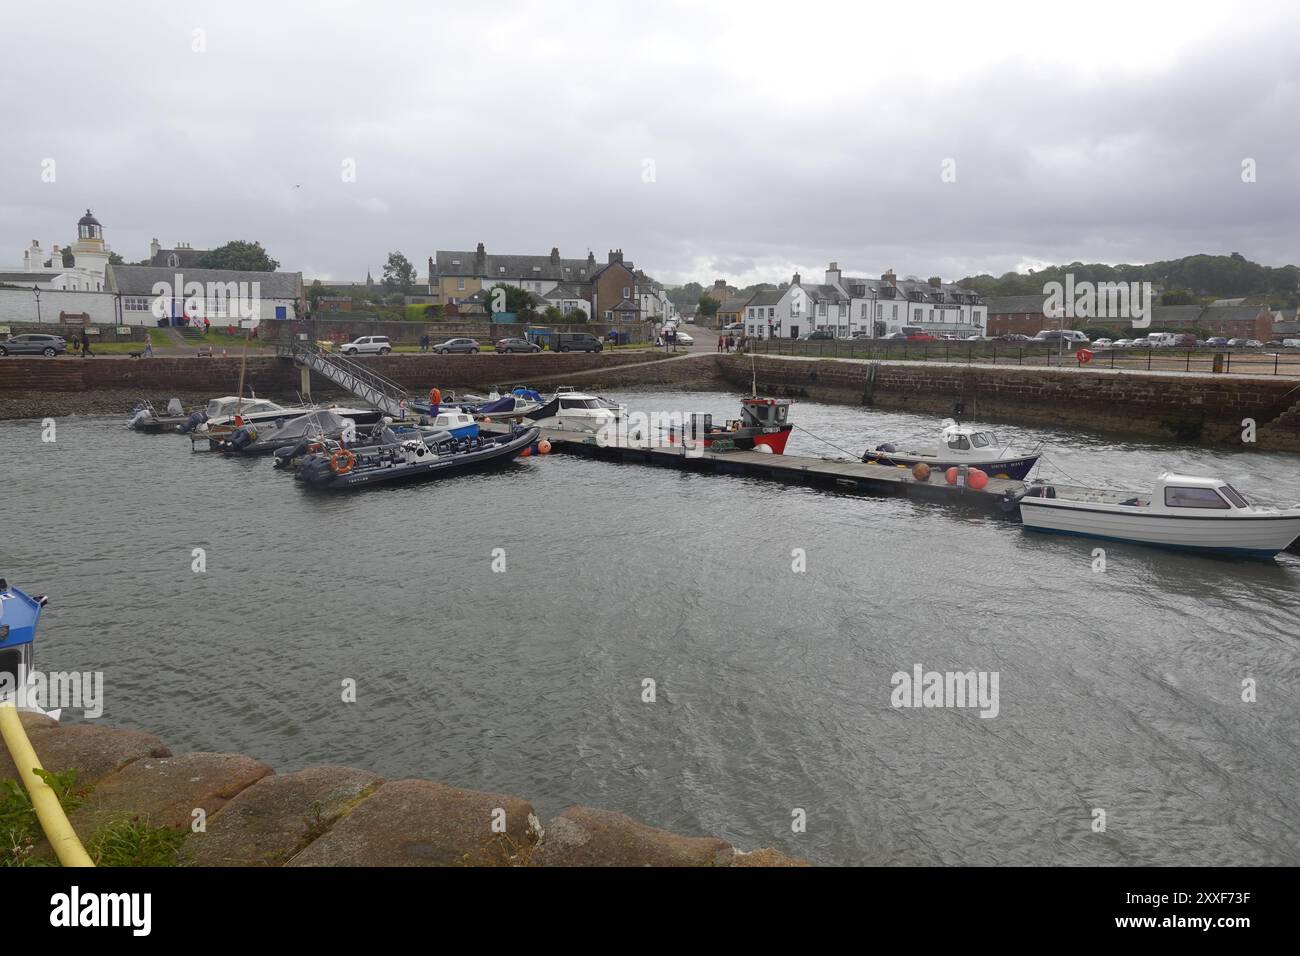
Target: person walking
148,347
722,340
85,345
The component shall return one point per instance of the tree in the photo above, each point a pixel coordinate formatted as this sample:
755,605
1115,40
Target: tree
241,255
399,274
515,299
1177,297
709,306
553,315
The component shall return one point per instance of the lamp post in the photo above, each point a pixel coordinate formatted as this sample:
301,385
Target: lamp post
37,292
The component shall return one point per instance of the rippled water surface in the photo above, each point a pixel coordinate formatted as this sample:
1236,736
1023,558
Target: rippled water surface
1118,690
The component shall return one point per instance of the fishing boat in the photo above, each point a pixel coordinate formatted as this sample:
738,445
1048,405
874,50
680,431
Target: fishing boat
959,445
1181,511
19,614
764,426
417,459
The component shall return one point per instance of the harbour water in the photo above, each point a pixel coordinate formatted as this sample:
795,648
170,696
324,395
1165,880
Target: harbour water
1120,690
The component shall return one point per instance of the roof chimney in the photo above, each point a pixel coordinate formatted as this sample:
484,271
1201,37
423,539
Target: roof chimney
555,255
888,276
154,248
796,279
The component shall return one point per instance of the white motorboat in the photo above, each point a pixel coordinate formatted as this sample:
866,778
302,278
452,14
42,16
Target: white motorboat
576,411
959,445
1182,511
230,412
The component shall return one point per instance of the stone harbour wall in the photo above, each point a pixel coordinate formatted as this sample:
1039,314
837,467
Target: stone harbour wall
340,816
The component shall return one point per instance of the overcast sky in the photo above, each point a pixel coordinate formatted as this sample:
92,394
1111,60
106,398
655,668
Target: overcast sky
742,141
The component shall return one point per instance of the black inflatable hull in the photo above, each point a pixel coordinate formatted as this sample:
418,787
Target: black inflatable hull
316,472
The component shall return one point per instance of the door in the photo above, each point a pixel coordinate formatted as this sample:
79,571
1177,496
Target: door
794,331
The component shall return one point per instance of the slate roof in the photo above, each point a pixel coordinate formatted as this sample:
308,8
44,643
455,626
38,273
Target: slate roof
1231,313
516,267
139,280
1011,304
768,297
736,305
186,257
1177,314
569,290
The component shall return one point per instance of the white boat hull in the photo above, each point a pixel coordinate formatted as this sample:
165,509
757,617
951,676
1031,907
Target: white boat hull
1257,535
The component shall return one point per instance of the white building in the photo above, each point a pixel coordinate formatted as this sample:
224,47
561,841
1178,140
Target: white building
149,295
47,272
847,306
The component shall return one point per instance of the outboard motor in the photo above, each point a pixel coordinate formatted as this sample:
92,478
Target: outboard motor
175,408
888,448
197,418
240,439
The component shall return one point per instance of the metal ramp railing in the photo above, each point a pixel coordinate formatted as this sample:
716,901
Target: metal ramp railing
352,377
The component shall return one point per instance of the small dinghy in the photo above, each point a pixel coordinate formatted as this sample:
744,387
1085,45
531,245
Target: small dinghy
382,434
1182,511
415,459
959,445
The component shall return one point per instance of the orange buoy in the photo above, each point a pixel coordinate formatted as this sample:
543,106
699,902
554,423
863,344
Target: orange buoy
526,452
921,471
239,421
435,396
487,419
544,447
977,480
951,475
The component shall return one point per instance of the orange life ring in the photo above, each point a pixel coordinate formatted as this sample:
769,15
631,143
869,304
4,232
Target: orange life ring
342,461
239,421
435,396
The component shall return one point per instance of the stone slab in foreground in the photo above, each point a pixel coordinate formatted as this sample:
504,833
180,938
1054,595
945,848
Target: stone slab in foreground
419,823
165,792
277,816
92,750
582,836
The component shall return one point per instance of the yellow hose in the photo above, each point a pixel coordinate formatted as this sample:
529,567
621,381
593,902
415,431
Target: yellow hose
67,847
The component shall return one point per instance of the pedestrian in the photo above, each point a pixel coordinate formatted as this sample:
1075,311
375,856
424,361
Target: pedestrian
207,324
721,341
148,347
85,345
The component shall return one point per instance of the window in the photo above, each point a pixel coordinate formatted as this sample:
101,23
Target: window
455,262
916,315
1235,496
537,268
135,303
895,315
460,285
501,269
979,440
771,313
627,293
961,443
1193,498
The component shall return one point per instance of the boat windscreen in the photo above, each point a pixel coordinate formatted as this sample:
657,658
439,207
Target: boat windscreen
1236,497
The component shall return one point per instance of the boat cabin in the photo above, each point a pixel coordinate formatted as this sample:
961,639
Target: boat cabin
249,407
764,412
1184,492
962,441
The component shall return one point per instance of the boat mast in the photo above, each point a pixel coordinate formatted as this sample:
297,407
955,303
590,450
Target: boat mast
243,364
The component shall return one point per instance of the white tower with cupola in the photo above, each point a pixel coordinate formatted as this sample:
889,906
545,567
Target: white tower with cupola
90,252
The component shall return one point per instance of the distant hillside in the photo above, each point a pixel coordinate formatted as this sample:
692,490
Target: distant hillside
1199,275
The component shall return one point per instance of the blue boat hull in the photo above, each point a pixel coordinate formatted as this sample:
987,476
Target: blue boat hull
1017,469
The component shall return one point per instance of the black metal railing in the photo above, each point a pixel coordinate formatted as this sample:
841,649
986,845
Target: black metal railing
1204,359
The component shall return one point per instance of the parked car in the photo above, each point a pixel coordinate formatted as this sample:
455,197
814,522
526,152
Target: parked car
367,345
468,346
1142,342
1185,340
684,339
921,337
1102,343
820,334
734,327
860,335
896,337
578,342
1254,344
517,345
1273,344
1291,343
30,343
1071,338
1216,340
1122,344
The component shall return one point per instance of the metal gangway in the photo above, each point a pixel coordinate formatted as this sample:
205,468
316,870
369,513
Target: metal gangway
351,376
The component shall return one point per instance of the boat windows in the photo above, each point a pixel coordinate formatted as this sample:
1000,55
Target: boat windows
960,443
579,403
980,440
1235,496
1193,498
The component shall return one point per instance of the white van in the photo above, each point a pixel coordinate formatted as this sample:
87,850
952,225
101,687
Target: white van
1161,339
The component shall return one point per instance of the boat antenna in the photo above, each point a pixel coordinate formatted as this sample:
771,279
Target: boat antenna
753,377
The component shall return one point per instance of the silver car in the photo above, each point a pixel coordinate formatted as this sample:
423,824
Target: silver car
34,344
456,345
